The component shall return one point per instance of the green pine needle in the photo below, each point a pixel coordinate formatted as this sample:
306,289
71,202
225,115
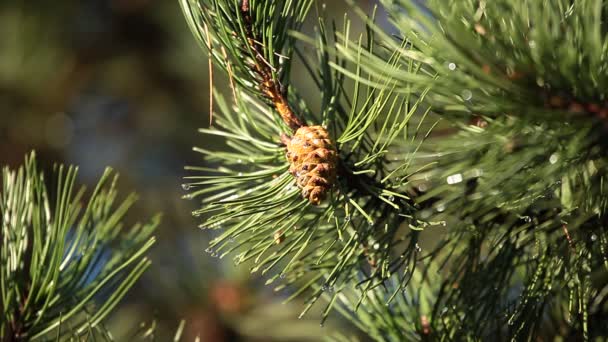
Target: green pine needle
518,178
66,259
362,228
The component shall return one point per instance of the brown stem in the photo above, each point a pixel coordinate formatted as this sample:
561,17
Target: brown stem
269,86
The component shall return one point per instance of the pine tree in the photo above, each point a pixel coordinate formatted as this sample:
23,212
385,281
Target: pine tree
487,118
67,258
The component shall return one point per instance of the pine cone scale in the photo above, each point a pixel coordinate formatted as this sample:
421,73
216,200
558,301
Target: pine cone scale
313,161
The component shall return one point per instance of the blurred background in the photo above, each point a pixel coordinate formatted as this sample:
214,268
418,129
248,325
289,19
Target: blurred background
122,83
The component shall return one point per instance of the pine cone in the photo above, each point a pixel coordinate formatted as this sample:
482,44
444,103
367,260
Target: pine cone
314,160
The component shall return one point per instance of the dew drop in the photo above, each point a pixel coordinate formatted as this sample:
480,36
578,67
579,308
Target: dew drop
425,214
554,158
454,179
376,246
391,198
540,82
347,218
371,223
240,161
186,186
467,95
418,248
593,237
282,276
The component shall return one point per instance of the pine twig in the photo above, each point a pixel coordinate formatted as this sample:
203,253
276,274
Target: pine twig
269,85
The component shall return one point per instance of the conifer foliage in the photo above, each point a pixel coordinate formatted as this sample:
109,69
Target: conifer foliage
66,258
487,117
341,154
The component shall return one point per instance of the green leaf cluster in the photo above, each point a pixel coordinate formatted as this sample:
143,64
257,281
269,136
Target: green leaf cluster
520,175
248,193
516,170
67,259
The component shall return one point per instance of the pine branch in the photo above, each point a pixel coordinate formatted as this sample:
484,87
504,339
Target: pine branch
64,266
524,200
249,192
255,38
502,281
541,63
393,312
522,184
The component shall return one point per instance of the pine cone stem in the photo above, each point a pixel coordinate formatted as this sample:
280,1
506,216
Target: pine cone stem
311,153
269,85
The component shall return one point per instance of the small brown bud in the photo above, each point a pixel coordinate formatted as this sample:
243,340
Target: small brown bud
510,146
478,121
480,29
426,325
279,237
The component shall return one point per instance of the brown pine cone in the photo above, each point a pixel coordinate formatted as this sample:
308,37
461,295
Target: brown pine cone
313,161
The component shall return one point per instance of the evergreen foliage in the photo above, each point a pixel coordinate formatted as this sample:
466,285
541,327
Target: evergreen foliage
252,196
517,167
66,259
525,174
